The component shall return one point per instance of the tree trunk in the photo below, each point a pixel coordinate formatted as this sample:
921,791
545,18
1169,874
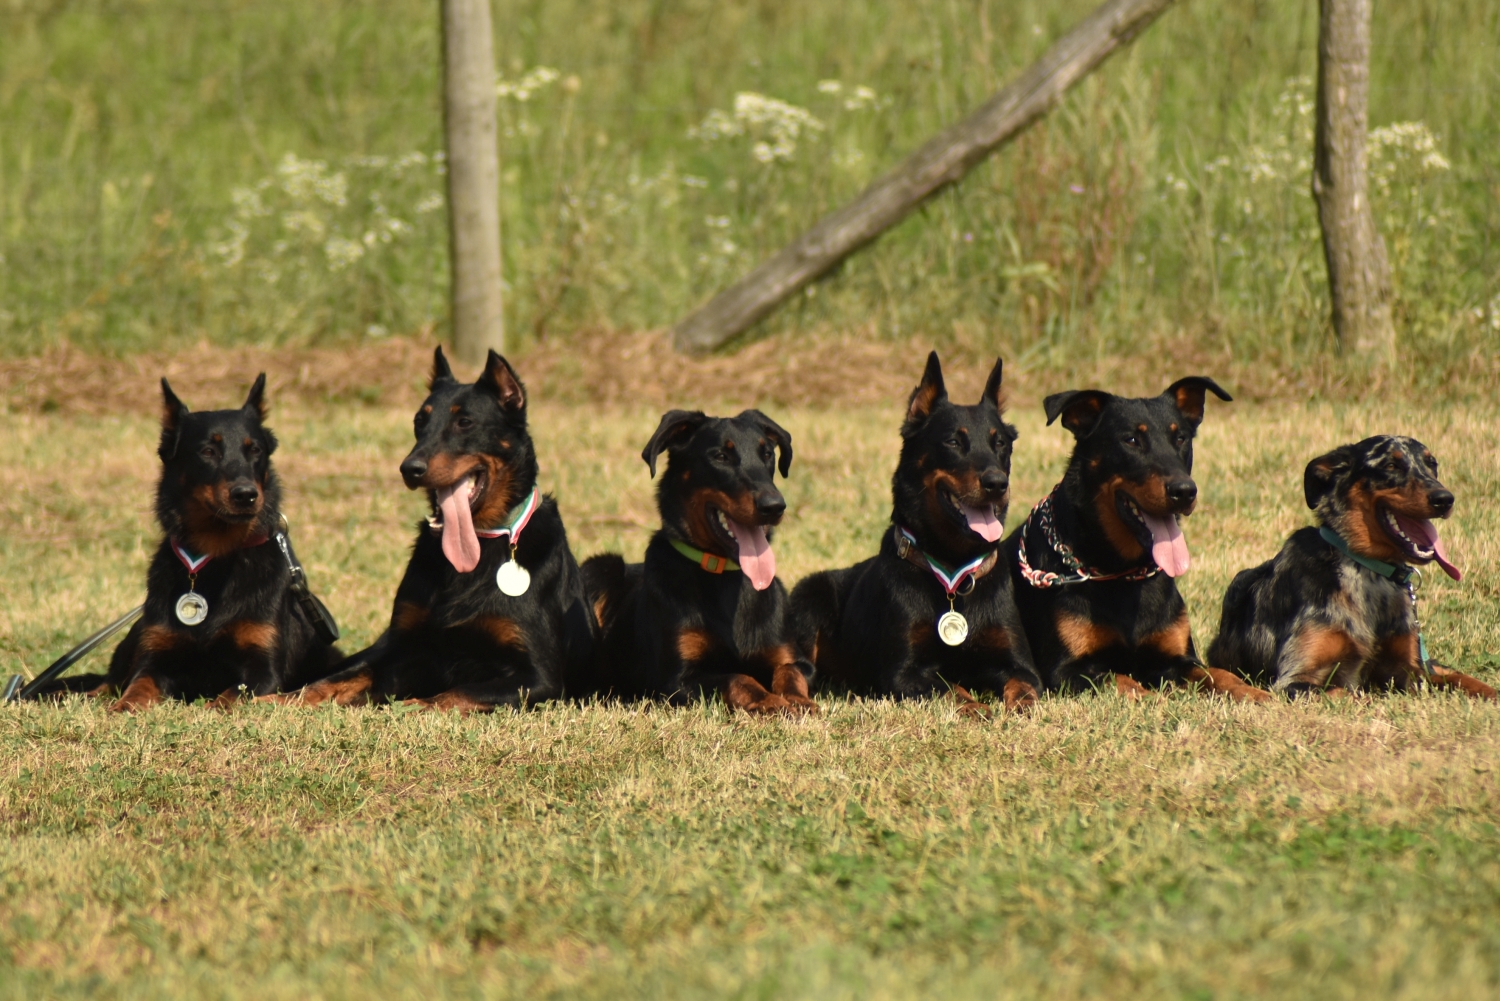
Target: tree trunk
473,178
1358,276
944,160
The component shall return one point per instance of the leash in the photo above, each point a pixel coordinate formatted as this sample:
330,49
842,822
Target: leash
1409,578
1079,573
705,561
17,689
952,627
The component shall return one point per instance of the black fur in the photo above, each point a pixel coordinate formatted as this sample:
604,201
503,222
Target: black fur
872,627
455,640
672,628
218,496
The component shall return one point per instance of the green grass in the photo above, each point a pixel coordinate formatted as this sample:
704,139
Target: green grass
1180,848
1131,216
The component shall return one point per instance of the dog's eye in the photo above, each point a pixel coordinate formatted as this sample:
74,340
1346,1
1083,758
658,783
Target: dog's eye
1133,440
718,455
464,423
252,449
951,443
207,451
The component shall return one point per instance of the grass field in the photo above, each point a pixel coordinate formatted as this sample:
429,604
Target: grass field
1180,848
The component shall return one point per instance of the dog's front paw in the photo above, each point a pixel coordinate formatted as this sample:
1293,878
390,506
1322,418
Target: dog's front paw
799,705
1019,696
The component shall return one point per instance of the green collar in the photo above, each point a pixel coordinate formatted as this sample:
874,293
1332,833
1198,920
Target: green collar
1394,571
707,561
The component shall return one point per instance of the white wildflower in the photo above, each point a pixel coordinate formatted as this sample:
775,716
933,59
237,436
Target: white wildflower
304,222
431,202
829,87
716,221
342,252
522,89
775,125
304,180
863,97
690,181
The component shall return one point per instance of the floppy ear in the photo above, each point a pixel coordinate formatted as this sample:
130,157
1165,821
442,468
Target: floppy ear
1188,394
992,387
928,394
1078,408
1323,473
499,379
172,413
778,435
257,399
441,371
676,427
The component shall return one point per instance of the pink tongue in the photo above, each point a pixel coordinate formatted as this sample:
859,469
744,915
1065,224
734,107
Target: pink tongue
1168,547
755,557
1425,532
460,544
983,521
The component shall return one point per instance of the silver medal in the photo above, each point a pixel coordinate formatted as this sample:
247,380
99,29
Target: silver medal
952,628
191,609
512,578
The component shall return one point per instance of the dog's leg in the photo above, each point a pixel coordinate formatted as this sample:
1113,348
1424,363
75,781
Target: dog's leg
1128,687
1216,680
748,695
788,681
455,700
968,706
1019,696
347,688
1446,677
142,693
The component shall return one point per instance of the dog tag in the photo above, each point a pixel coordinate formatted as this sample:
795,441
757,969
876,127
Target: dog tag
512,578
191,609
952,628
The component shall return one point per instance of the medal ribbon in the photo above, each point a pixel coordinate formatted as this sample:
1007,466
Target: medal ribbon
187,559
513,529
951,582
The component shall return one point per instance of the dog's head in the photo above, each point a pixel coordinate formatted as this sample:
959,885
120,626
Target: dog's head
473,455
952,483
217,487
1133,462
718,492
1381,495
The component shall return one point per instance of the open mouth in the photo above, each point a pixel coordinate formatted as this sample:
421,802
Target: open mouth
1417,538
456,504
980,519
470,488
751,545
1161,534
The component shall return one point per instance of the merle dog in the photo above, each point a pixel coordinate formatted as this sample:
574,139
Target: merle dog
704,612
883,626
221,613
1335,610
1095,563
491,610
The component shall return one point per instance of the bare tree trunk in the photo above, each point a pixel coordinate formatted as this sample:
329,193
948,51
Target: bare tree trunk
943,161
1358,275
473,178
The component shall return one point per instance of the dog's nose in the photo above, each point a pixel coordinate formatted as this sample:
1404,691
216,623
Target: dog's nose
412,470
994,482
769,506
244,494
1441,501
1182,492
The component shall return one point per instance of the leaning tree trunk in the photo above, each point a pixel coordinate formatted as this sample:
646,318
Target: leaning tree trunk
473,178
1358,275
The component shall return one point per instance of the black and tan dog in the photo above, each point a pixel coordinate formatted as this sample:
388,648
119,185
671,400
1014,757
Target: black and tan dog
1095,562
221,615
1335,610
491,610
932,612
704,612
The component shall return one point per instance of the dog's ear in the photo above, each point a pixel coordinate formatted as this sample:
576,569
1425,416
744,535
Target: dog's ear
441,370
173,412
676,427
779,436
928,394
992,392
256,401
1078,408
500,380
1323,474
1188,394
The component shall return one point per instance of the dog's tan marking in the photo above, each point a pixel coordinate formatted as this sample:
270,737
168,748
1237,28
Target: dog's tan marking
142,693
1127,687
993,638
1215,679
968,706
1119,535
351,691
1082,637
744,693
155,639
452,702
1019,696
505,632
788,681
1319,652
699,532
1448,678
693,644
1173,640
246,635
408,616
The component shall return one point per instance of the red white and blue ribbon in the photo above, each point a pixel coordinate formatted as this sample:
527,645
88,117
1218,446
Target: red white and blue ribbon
193,563
951,582
513,529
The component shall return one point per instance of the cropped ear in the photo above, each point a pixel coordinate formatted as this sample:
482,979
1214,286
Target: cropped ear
992,391
928,394
1078,408
778,435
257,399
1188,394
1323,473
500,380
676,427
173,412
441,370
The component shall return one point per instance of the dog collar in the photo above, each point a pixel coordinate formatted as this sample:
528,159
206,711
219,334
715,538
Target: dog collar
196,563
1397,573
1080,573
514,524
705,561
952,580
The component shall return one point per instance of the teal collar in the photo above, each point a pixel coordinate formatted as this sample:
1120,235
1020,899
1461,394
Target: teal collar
1393,571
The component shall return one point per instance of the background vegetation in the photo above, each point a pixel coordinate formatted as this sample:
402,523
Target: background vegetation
252,171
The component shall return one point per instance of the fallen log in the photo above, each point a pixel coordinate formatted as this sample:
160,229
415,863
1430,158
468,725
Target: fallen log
944,160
